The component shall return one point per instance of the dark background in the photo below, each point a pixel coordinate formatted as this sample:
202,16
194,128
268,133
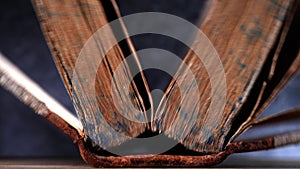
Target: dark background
25,134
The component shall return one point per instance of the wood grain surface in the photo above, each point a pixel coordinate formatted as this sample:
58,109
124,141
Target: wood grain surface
76,163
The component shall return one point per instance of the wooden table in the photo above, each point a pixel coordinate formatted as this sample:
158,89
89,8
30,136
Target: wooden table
72,163
76,163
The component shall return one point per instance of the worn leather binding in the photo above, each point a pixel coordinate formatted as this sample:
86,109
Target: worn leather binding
165,160
67,30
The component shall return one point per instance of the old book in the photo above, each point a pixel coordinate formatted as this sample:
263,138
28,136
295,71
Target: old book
249,51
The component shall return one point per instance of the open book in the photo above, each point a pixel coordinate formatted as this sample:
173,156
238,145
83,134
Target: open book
239,59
